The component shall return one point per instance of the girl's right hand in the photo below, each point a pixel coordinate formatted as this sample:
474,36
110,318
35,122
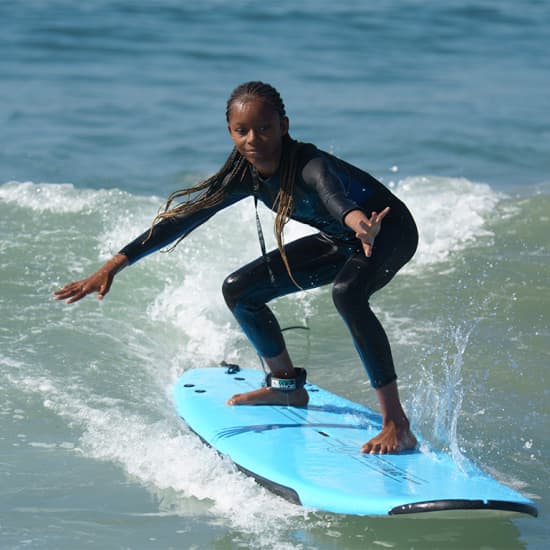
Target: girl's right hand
99,282
366,229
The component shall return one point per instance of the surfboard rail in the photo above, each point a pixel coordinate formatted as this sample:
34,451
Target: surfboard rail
463,505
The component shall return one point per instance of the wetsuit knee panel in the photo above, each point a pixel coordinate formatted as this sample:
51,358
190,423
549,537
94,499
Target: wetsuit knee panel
346,295
232,288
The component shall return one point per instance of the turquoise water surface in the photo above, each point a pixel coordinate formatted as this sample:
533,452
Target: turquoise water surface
108,106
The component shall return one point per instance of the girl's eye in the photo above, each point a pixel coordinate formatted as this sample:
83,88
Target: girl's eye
243,131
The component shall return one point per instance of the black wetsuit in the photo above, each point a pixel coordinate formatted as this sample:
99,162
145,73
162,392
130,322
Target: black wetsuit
326,189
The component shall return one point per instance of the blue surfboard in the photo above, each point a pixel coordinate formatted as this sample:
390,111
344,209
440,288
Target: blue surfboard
311,455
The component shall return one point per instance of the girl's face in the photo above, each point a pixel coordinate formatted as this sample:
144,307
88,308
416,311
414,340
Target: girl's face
257,131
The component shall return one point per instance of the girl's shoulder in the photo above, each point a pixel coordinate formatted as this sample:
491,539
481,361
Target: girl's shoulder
312,160
310,154
316,163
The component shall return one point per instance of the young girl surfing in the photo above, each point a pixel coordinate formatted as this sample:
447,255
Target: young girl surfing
365,236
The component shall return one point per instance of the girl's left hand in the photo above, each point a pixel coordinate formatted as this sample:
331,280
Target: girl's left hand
366,229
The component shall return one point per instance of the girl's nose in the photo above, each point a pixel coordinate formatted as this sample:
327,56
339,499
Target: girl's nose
251,137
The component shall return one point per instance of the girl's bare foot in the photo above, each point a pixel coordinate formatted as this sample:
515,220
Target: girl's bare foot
393,438
281,367
396,435
269,396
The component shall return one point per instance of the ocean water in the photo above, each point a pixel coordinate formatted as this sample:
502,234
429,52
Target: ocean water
106,107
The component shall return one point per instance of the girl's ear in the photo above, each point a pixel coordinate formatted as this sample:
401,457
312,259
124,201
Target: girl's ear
284,125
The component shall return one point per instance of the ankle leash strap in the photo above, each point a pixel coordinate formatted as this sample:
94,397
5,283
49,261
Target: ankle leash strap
287,384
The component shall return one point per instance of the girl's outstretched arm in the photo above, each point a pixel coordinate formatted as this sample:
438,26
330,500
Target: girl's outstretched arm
99,282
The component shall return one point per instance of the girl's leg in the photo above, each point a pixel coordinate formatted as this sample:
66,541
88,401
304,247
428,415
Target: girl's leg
358,280
314,261
396,434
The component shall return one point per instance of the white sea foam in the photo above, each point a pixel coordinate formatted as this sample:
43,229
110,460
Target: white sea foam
41,197
165,457
451,213
184,298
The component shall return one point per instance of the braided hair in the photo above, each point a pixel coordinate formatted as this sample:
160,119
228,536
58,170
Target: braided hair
210,191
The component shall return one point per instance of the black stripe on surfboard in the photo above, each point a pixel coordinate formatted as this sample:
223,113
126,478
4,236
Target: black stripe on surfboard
464,504
280,490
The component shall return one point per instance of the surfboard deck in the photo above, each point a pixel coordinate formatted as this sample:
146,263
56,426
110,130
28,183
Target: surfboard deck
311,456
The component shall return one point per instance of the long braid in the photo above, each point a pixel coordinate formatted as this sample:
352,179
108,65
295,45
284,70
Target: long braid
204,194
284,199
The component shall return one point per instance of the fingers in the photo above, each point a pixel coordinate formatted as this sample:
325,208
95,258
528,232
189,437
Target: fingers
382,214
371,227
99,282
71,292
76,291
66,292
76,297
103,289
377,217
367,240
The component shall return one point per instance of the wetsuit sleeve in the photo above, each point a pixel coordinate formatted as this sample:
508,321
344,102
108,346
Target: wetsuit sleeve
320,175
170,229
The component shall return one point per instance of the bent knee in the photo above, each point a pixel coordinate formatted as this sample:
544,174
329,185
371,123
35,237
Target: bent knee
232,290
350,296
343,295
